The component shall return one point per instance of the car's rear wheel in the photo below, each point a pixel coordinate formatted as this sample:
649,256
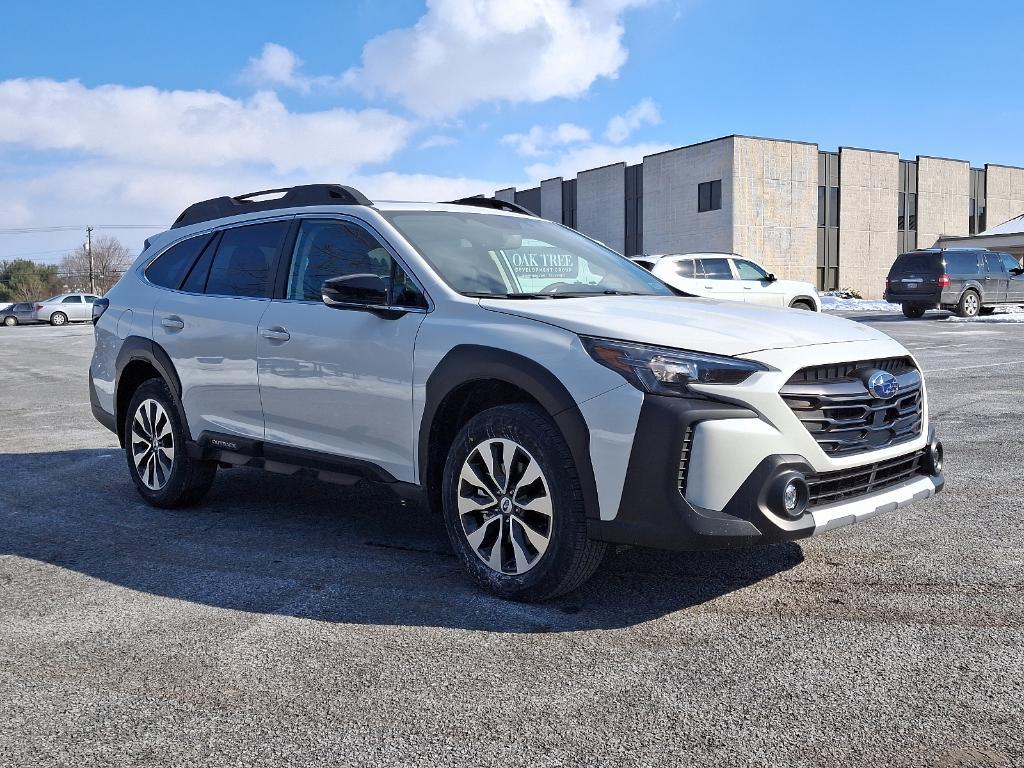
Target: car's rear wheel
969,304
913,311
154,443
10,321
513,506
58,318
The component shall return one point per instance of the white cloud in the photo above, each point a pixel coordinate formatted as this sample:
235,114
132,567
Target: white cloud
539,141
621,126
588,156
437,140
276,65
466,52
193,128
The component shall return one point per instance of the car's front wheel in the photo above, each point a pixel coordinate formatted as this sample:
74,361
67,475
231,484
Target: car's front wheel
513,506
58,318
802,304
913,311
154,443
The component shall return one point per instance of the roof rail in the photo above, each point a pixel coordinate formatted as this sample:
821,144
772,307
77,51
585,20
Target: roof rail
490,202
293,197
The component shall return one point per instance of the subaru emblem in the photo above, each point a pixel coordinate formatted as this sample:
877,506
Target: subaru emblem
883,385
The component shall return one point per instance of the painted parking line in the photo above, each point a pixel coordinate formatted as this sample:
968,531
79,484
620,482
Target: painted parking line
969,367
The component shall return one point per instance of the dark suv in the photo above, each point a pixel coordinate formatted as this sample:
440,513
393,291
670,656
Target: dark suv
967,281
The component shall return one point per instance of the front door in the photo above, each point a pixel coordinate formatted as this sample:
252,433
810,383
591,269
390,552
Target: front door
757,288
209,329
995,279
339,380
1015,282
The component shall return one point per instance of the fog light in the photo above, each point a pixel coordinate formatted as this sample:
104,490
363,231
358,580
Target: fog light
933,457
788,495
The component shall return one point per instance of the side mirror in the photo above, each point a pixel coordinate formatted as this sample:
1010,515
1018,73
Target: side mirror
1018,271
771,277
355,291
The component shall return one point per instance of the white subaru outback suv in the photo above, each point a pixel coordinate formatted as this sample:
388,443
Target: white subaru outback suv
549,397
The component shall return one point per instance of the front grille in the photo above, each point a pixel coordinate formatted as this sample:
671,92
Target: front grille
844,484
684,458
834,405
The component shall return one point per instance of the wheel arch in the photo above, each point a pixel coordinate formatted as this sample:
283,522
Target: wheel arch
471,378
802,298
139,360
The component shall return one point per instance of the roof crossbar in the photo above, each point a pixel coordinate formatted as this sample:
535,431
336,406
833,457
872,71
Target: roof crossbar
490,202
293,197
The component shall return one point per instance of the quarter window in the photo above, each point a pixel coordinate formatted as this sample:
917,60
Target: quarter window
169,270
684,268
327,249
245,259
709,196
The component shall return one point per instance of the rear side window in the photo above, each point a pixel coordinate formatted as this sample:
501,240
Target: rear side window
716,269
72,300
962,263
245,260
918,262
169,270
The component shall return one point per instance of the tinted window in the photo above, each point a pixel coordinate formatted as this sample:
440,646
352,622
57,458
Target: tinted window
244,264
962,263
326,249
170,268
1009,262
195,278
993,263
648,265
684,268
918,262
709,196
72,300
748,270
716,269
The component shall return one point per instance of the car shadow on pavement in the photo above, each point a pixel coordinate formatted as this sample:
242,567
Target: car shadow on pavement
275,544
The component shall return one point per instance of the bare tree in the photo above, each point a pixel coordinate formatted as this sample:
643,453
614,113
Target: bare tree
109,261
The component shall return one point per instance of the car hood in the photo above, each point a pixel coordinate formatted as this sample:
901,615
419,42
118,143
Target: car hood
701,325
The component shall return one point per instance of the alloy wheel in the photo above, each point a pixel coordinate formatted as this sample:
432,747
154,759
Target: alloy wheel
505,507
971,304
152,444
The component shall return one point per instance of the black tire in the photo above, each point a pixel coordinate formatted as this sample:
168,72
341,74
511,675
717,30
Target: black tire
570,557
10,321
914,311
58,318
188,479
986,311
969,304
800,304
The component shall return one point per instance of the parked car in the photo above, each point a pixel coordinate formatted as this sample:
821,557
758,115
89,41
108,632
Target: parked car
22,313
967,281
546,395
730,277
66,308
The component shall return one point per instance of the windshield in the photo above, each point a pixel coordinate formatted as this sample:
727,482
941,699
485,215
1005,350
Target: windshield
511,257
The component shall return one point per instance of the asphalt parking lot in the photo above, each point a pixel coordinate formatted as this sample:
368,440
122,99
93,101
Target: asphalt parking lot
292,623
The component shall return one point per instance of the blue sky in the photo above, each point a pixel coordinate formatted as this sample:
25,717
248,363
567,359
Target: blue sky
127,112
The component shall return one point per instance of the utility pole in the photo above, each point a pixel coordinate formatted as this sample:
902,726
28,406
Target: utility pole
88,248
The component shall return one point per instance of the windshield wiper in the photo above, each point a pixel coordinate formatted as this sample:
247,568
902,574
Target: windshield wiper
482,295
585,294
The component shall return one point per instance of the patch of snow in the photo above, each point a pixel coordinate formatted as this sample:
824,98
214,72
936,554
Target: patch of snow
1015,316
837,304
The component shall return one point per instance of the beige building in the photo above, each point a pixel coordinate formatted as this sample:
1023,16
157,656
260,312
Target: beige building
837,219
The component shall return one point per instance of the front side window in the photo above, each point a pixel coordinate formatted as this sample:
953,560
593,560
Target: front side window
330,248
1009,262
709,196
485,255
245,260
716,269
748,270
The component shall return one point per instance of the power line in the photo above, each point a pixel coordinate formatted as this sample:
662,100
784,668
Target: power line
73,227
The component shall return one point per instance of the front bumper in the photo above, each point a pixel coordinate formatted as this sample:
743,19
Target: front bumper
655,511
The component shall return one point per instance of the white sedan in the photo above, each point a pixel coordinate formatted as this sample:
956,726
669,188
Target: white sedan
730,277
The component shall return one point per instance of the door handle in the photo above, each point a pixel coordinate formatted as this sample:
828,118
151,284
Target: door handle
172,323
709,287
748,288
276,333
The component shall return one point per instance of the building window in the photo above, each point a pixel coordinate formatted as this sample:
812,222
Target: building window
906,215
976,211
828,221
709,196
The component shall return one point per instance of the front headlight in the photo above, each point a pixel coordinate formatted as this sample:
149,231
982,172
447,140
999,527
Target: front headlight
664,371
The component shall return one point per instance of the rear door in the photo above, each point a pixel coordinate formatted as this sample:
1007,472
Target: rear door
209,328
717,280
995,280
1014,282
72,307
338,380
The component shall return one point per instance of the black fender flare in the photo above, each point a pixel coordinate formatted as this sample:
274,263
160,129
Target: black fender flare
140,348
466,363
804,299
